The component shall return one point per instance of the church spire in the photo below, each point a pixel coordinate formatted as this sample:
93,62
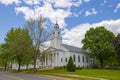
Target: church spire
56,39
56,25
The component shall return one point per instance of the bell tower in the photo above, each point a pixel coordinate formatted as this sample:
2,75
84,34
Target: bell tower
56,39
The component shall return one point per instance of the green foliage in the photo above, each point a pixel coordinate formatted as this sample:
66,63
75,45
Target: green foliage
99,43
19,44
60,67
79,68
5,56
116,43
71,66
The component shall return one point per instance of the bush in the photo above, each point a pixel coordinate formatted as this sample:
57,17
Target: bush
79,68
60,67
70,66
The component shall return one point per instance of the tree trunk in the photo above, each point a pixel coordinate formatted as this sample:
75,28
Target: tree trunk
101,61
119,56
5,67
19,64
27,66
11,65
34,69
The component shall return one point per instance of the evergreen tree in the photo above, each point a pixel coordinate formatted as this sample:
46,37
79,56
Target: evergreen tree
71,66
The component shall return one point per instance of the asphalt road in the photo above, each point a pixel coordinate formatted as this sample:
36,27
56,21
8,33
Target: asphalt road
22,76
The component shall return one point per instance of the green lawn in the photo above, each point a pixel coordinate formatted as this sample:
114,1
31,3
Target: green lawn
97,73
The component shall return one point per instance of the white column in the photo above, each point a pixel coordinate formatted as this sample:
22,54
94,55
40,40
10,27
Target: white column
56,59
45,64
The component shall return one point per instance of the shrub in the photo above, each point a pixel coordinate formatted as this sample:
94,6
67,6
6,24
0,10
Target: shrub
70,66
60,67
79,68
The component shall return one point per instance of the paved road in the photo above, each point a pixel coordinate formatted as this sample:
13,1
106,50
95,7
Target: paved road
22,76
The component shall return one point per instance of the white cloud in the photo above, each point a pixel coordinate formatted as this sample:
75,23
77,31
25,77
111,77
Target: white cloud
52,9
75,15
77,3
86,0
105,1
8,2
64,3
117,7
28,13
91,12
46,11
76,34
32,2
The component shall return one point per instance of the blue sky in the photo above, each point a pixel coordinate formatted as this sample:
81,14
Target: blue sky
73,16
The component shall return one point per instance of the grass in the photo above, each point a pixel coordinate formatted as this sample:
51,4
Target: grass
97,73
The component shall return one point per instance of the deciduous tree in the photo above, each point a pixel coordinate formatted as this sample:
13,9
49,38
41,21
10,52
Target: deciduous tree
98,41
39,34
116,43
19,43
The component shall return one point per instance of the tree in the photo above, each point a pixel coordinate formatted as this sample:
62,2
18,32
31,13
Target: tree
71,66
19,42
116,43
98,41
5,56
39,35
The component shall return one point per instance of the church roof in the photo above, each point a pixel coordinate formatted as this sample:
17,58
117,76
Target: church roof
73,48
56,49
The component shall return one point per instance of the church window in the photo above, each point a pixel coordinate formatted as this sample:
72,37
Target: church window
61,59
74,58
83,59
87,59
78,58
65,59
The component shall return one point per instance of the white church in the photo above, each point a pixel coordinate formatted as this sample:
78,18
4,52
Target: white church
61,52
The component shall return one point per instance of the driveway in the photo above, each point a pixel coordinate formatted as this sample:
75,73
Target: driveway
23,76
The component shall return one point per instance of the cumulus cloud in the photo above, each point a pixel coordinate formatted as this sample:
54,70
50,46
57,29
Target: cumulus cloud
52,9
86,0
8,2
46,11
28,13
32,2
117,7
91,12
76,34
64,3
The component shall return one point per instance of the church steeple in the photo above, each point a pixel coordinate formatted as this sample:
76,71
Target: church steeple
56,39
56,30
